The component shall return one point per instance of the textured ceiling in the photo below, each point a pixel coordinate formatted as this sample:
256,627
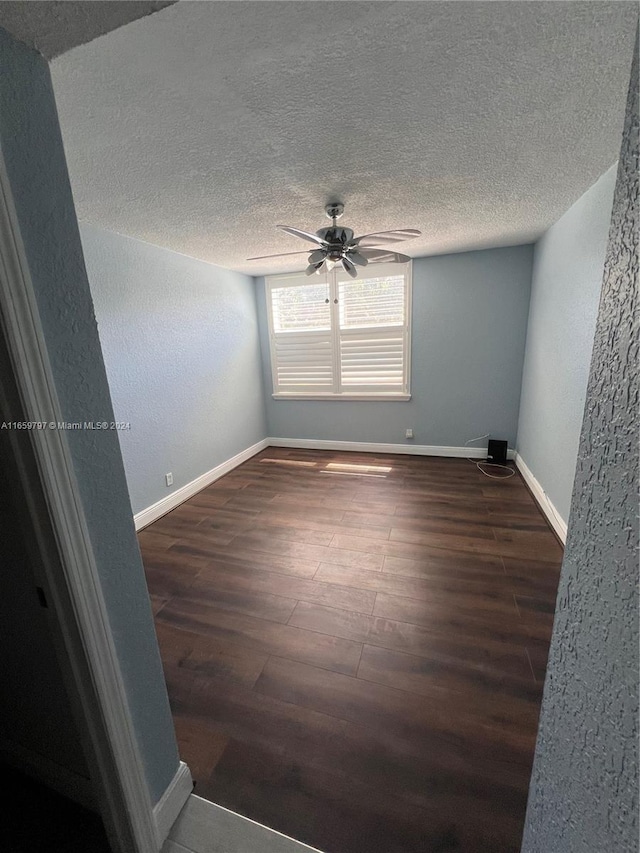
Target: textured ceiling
204,125
53,27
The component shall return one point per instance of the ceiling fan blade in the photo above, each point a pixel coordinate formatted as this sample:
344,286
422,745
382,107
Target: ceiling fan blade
349,268
383,238
312,238
317,256
314,268
384,256
357,257
281,255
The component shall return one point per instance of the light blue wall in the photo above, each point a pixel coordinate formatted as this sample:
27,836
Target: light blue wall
37,172
567,278
180,343
469,327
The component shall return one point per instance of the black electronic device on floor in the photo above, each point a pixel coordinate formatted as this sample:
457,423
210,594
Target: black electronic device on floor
497,452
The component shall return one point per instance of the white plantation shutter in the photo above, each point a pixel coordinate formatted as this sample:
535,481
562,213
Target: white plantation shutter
304,362
300,304
301,338
373,332
338,337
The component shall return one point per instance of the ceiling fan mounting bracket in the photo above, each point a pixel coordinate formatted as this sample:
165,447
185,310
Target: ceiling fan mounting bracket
334,210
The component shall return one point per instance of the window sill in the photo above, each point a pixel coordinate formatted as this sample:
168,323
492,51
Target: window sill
364,398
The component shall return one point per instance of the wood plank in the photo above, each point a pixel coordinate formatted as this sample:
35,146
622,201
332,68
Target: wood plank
499,621
449,565
259,635
240,578
149,538
177,528
285,520
398,547
200,745
327,808
492,607
505,545
217,554
168,573
319,553
262,605
395,712
292,533
514,703
207,657
492,660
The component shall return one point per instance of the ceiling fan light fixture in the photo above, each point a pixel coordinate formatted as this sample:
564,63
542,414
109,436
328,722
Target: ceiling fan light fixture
314,268
316,256
338,245
349,268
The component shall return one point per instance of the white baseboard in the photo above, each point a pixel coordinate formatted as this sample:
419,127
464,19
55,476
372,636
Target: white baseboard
204,827
171,803
162,507
373,447
551,513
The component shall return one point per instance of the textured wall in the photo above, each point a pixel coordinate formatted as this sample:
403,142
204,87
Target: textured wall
584,790
565,291
36,167
468,334
181,349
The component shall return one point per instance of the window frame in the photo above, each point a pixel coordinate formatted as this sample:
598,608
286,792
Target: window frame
334,277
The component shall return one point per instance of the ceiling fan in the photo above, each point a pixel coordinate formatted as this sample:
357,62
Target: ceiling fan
339,245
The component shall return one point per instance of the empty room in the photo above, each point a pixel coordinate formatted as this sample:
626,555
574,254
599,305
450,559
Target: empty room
345,342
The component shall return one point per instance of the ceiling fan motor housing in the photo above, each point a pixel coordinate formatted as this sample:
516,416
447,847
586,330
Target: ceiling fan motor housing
337,238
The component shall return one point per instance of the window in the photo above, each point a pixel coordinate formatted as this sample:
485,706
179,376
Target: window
334,336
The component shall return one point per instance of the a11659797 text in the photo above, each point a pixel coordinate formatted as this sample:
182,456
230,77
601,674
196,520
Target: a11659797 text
66,425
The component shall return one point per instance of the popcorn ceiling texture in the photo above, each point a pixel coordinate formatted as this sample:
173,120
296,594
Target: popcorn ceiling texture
584,789
52,27
200,127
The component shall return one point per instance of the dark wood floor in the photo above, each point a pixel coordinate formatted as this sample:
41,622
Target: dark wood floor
355,647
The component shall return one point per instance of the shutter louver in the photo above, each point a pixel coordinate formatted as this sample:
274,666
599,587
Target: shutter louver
304,362
372,360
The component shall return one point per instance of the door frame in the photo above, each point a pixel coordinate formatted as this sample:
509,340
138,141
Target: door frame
73,584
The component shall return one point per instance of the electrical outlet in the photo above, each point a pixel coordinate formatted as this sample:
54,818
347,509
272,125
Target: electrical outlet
408,433
169,478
